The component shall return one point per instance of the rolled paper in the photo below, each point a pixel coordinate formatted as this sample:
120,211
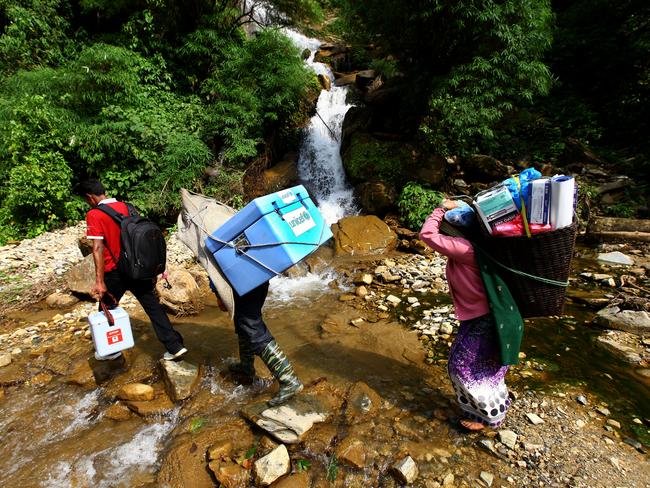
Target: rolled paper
562,201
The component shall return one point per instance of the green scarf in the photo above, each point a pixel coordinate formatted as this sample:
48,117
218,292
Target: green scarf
509,324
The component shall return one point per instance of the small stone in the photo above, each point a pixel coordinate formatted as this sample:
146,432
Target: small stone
603,411
522,464
272,466
181,378
361,291
487,478
136,392
406,470
118,412
366,278
412,300
534,419
5,359
613,423
448,480
508,437
346,297
220,450
356,322
580,423
581,400
635,444
393,300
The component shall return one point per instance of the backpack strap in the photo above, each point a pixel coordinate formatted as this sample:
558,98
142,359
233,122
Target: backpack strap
131,210
112,213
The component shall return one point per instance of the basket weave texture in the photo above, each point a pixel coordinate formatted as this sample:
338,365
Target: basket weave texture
547,255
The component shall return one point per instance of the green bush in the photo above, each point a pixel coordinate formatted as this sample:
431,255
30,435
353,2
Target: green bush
38,193
368,158
416,203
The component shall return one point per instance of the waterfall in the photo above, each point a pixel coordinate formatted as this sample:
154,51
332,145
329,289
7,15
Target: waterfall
319,164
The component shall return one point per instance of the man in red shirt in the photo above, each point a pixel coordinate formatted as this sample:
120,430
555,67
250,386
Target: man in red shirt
110,284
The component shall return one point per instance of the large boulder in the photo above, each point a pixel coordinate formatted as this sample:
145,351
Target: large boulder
431,169
376,197
363,235
485,169
184,297
281,175
635,322
81,277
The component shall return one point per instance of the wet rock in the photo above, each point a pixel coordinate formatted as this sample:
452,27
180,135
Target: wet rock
220,450
160,405
613,423
320,437
361,291
361,235
325,82
13,374
272,466
603,411
581,399
58,363
81,277
81,374
5,359
60,300
534,419
508,437
636,322
141,369
406,470
181,378
615,257
136,392
363,403
289,422
41,379
621,344
184,297
353,452
118,412
184,465
230,474
393,300
296,480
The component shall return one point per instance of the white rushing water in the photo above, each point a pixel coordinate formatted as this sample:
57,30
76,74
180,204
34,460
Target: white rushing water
319,166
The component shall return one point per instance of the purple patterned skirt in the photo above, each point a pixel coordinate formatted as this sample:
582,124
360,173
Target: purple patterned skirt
476,372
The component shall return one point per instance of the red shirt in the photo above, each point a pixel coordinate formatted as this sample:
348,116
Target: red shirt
102,226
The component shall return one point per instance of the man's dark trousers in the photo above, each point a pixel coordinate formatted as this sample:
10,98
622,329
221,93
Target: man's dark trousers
248,318
144,291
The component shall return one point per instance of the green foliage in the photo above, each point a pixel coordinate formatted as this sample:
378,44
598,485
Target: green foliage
260,85
38,193
332,469
386,68
34,34
416,203
303,465
196,424
368,158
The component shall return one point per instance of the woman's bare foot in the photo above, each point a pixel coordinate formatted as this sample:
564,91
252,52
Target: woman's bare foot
473,426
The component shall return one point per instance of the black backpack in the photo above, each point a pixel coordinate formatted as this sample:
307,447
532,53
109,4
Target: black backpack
143,253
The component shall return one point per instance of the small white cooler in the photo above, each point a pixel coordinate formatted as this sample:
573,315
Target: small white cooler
109,339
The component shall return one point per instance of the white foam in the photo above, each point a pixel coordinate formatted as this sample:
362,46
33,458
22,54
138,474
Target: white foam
284,289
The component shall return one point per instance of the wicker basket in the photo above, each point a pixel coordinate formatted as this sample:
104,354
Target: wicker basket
547,255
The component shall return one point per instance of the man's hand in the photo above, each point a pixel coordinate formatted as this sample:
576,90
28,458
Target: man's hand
449,204
98,291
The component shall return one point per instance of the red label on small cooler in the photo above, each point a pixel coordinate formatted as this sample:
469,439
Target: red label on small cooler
114,336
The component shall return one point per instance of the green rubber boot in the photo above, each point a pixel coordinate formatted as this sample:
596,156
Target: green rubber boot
245,367
281,369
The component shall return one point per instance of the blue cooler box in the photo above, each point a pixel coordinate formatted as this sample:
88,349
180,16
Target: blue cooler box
286,226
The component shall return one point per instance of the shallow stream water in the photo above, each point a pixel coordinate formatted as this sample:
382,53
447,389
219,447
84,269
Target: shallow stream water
56,435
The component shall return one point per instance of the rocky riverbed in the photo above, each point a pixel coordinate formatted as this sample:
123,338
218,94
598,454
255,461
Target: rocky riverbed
377,411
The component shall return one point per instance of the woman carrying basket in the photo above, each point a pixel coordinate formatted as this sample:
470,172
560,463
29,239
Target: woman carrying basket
475,366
